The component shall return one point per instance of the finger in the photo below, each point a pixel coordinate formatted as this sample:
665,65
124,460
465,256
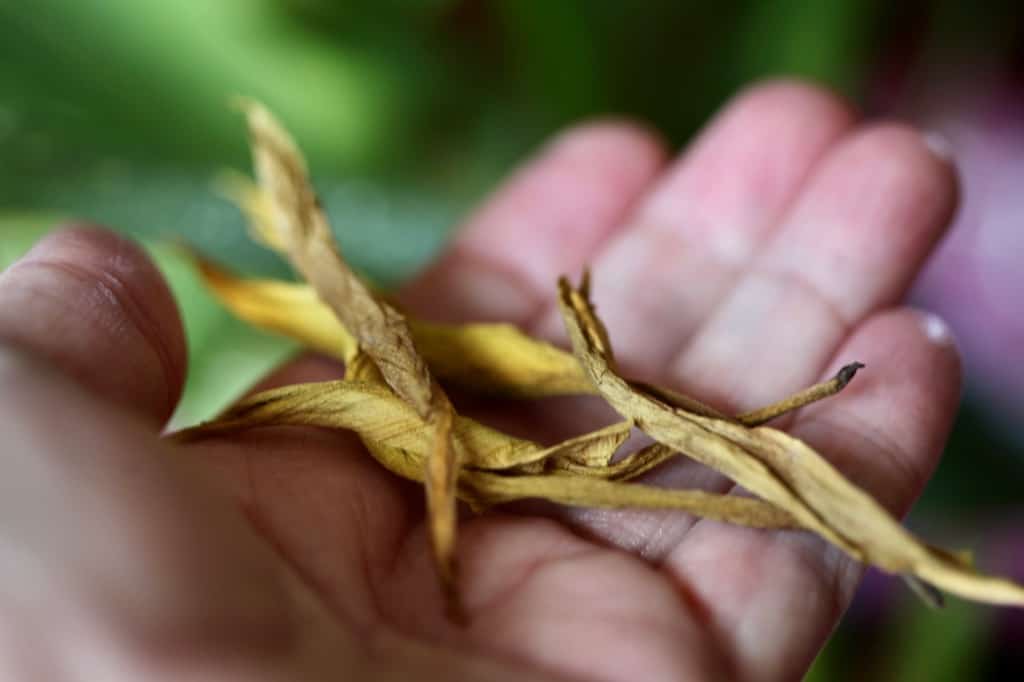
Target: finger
545,221
707,217
93,304
749,577
852,243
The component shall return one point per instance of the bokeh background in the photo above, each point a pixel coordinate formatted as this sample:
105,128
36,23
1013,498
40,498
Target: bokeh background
410,110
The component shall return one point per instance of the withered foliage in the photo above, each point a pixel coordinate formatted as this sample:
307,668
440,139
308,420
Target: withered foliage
392,397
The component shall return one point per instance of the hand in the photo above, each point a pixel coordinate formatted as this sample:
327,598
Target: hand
776,249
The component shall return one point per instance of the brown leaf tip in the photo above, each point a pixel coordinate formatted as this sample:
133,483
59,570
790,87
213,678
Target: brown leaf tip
584,287
846,374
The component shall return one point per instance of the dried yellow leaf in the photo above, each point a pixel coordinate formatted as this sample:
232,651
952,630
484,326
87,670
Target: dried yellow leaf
499,359
492,358
391,399
256,206
485,357
864,522
401,442
294,310
293,219
633,465
364,405
781,469
489,488
675,427
297,221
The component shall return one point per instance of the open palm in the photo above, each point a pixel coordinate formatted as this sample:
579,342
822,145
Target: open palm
776,249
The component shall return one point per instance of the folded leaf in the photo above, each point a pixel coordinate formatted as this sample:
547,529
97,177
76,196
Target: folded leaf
863,521
633,465
489,488
367,407
780,469
401,443
256,206
675,427
294,310
489,358
297,222
499,359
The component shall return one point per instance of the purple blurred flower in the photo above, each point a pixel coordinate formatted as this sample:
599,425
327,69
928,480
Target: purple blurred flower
976,278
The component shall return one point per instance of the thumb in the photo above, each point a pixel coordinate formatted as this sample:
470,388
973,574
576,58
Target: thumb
116,560
93,306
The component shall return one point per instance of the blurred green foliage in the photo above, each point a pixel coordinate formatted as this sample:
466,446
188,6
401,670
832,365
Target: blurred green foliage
441,93
117,111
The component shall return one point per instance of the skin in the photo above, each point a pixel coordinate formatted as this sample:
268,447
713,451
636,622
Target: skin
773,250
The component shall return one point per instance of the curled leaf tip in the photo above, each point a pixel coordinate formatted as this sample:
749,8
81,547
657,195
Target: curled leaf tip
846,374
584,287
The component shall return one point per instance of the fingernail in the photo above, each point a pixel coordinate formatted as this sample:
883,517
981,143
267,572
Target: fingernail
935,329
939,145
